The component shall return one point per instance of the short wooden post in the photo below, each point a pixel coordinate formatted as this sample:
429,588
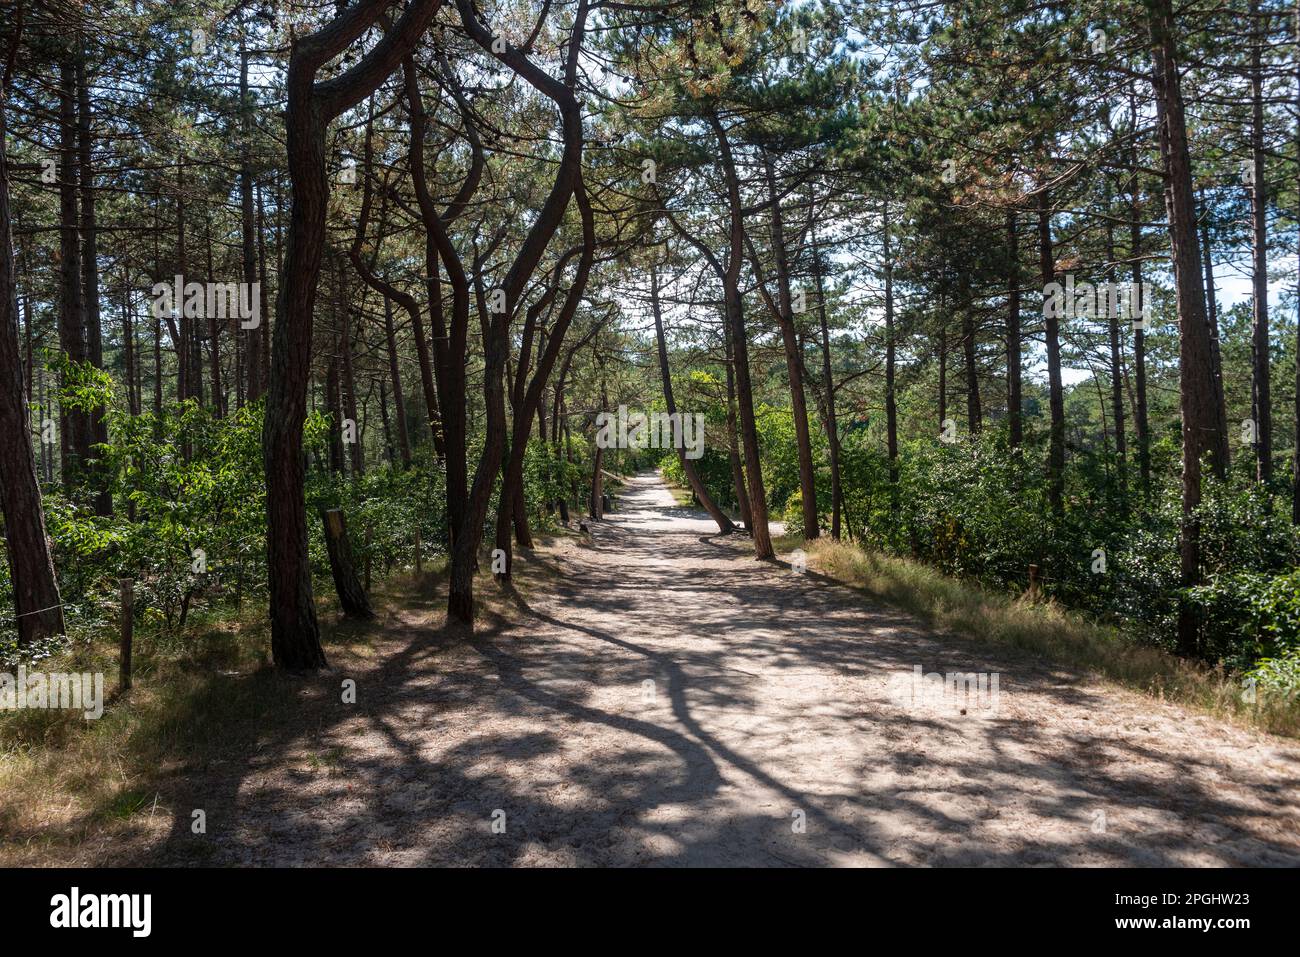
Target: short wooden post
1033,582
419,564
128,630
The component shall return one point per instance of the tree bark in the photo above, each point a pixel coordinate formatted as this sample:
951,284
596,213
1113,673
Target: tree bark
395,375
1197,394
95,422
253,360
295,632
793,359
352,596
702,495
460,600
1261,402
74,424
740,348
37,606
1056,393
1015,421
1141,424
974,411
1116,370
832,422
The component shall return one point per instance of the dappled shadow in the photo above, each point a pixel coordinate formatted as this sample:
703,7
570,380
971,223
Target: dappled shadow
652,695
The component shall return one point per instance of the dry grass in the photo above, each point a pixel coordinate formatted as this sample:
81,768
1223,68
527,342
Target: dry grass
1044,628
69,786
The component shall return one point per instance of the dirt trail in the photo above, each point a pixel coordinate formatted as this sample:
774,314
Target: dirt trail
770,736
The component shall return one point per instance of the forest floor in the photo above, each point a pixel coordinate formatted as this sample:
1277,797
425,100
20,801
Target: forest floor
770,735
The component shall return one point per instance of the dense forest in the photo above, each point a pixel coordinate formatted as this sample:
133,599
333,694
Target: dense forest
292,289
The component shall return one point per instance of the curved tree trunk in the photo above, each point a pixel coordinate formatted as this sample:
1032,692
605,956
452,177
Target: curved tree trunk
295,633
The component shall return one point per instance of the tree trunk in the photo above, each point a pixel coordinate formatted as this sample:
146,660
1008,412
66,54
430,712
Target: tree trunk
295,633
974,412
528,394
1141,425
95,422
74,425
943,369
1056,394
832,422
688,467
356,451
891,362
248,250
793,360
460,600
1197,393
733,441
1116,370
37,606
1295,458
1261,402
394,374
1212,320
735,310
352,596
1015,421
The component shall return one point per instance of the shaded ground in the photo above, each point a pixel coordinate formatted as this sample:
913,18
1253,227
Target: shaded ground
769,736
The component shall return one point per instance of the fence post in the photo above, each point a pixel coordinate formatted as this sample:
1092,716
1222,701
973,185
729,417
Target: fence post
419,564
128,629
1033,582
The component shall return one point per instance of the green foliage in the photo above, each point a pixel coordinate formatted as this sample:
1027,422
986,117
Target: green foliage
979,510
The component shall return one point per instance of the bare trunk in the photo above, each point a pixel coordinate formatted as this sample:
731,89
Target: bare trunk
295,633
95,422
832,422
1261,402
735,312
688,467
37,606
395,376
793,360
1015,422
74,425
253,360
1200,418
1056,393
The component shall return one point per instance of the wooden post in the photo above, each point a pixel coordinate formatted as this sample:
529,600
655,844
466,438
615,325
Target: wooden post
128,629
1033,582
419,565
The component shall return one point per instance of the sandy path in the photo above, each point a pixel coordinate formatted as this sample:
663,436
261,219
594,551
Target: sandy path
768,737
